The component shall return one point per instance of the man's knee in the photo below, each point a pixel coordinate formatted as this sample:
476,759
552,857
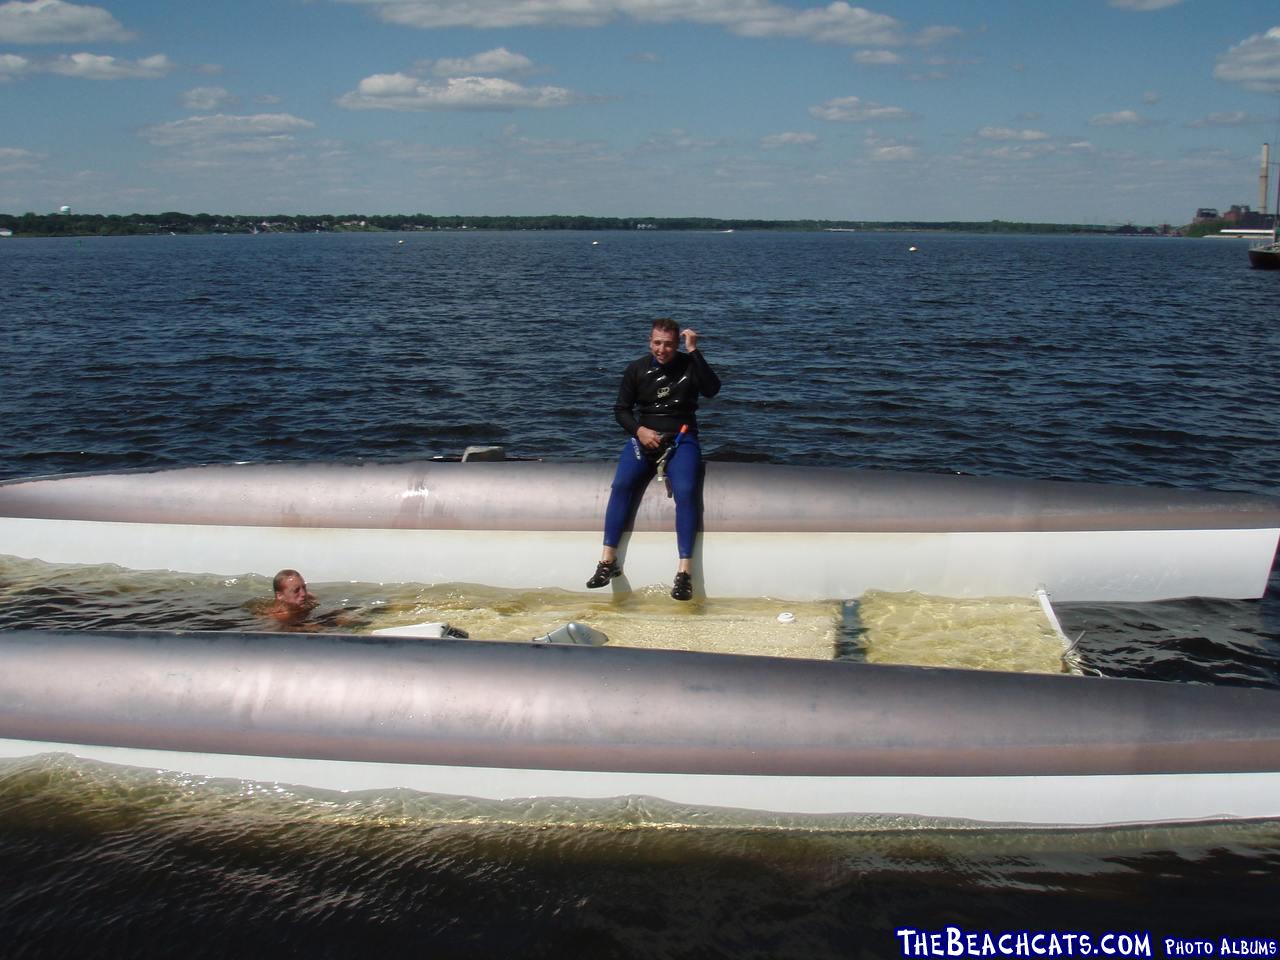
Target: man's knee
684,490
626,481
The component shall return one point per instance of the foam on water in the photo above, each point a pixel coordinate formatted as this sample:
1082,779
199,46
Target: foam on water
991,634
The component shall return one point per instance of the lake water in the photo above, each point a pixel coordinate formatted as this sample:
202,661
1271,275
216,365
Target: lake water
1134,361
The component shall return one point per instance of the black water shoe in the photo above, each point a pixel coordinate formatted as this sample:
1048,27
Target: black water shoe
682,589
606,570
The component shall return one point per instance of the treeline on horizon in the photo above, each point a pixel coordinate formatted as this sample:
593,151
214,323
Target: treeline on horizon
145,224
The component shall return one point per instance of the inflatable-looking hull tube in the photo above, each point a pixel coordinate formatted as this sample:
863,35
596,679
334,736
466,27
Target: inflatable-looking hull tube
792,533
499,720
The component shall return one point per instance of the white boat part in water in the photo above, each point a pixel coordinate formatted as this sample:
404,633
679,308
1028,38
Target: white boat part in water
501,721
795,533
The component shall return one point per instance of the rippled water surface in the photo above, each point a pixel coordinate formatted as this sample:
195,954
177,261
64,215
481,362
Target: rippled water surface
1128,361
1140,361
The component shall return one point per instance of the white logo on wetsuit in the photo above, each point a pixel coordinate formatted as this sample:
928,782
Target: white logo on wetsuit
664,392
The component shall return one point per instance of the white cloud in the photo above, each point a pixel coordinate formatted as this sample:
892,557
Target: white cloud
1016,151
1019,152
15,159
679,141
876,57
558,150
885,150
1143,6
255,133
399,91
87,66
889,153
488,14
837,22
53,21
1121,118
1005,133
207,98
857,110
92,66
418,153
941,69
1254,63
775,140
491,63
934,35
1234,118
12,65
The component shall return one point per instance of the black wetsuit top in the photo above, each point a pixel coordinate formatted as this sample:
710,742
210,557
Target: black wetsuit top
664,398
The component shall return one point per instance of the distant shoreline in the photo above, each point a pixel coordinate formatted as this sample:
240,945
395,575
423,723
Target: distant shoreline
138,224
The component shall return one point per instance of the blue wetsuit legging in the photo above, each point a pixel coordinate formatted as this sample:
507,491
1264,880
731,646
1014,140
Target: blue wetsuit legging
634,472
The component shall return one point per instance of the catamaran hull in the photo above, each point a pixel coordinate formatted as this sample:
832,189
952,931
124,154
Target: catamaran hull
798,533
503,721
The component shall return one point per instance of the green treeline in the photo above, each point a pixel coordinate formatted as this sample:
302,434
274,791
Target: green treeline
1203,228
115,225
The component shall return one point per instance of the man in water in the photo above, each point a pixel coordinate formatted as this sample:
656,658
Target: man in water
656,406
293,603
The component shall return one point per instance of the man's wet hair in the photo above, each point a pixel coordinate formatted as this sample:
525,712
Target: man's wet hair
278,583
667,325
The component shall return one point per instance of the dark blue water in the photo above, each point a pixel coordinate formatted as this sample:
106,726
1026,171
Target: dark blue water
1131,361
1128,361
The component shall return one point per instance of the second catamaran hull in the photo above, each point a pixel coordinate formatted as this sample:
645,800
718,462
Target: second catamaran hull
504,721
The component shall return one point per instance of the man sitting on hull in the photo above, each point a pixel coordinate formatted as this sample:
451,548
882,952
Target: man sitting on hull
657,404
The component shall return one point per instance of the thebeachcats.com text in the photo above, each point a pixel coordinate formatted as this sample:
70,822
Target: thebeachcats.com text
953,941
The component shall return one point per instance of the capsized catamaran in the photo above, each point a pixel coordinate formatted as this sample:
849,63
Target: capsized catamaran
510,720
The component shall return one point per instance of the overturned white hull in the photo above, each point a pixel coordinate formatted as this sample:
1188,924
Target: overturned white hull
501,721
796,533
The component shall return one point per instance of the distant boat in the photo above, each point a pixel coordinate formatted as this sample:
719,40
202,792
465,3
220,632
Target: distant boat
1266,255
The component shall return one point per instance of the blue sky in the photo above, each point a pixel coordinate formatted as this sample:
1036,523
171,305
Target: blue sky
1100,111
